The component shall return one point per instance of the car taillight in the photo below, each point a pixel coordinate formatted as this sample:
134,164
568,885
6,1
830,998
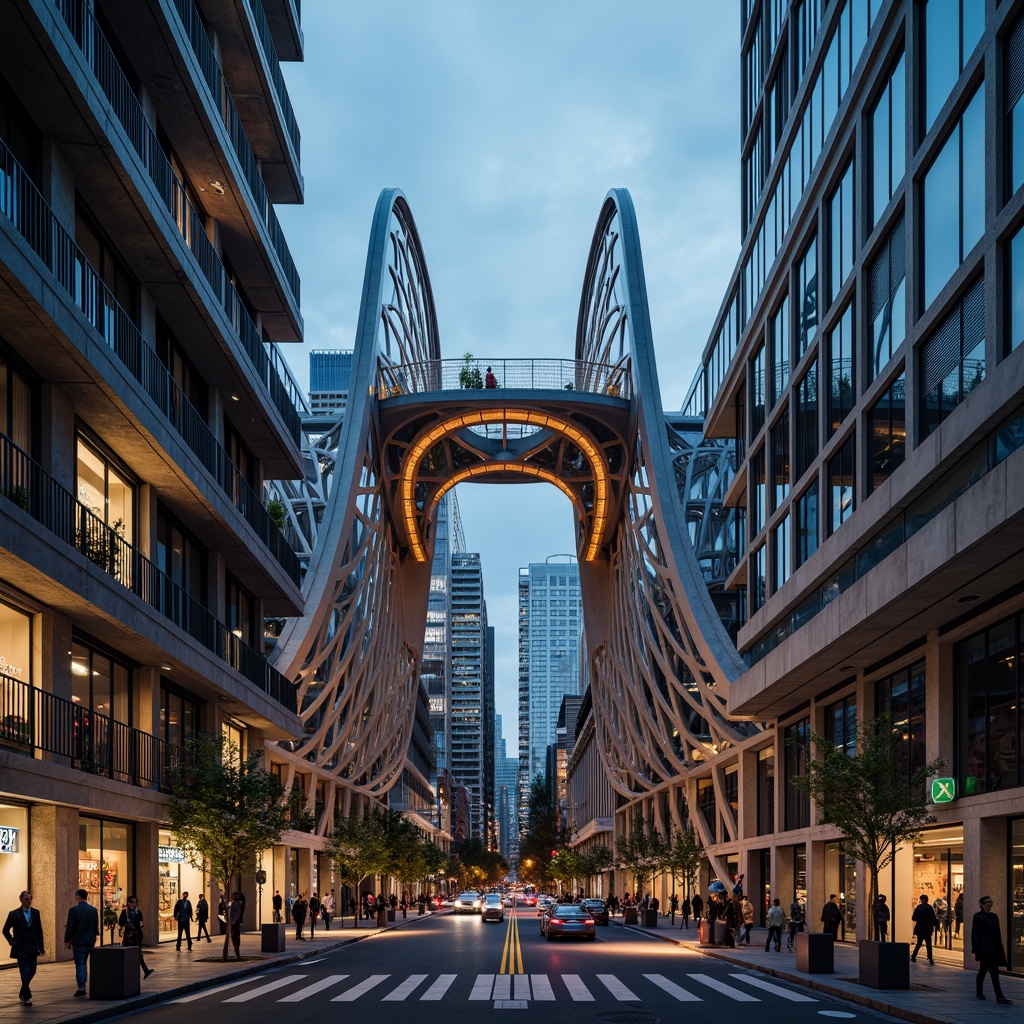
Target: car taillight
588,920
555,920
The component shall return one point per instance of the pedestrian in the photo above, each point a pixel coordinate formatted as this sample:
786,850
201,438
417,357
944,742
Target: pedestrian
314,913
222,914
24,931
202,917
831,916
182,913
732,917
299,916
684,910
774,919
958,914
925,923
490,381
673,906
796,924
236,911
881,915
747,913
987,947
80,931
278,904
655,903
130,923
327,909
697,904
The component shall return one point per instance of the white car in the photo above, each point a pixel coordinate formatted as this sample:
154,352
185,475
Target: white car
467,903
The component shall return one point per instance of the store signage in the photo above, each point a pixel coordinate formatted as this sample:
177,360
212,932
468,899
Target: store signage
943,791
7,669
8,839
171,854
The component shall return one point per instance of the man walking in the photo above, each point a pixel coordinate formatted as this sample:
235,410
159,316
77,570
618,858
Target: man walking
747,911
831,917
987,947
327,909
24,931
278,906
182,913
299,916
83,925
881,915
314,913
202,917
925,922
774,919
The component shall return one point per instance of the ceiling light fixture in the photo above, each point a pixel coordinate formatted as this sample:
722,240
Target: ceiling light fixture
218,187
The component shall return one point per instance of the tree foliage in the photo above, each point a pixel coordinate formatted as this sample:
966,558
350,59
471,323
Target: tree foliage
358,848
228,809
478,866
683,856
643,851
542,835
877,805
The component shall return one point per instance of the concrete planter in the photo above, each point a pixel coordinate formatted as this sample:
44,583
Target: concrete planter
114,972
815,953
272,938
629,915
884,965
650,919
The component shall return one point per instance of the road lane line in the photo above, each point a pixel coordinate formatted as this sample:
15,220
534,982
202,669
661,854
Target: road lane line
616,988
482,987
352,994
264,989
726,990
311,990
405,989
542,988
673,989
778,990
579,992
438,989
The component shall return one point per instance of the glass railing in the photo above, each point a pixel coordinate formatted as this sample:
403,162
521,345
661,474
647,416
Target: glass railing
27,485
25,207
128,111
532,374
263,33
34,721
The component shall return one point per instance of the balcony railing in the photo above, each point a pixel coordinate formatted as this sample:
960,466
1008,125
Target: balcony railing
263,33
26,484
28,212
128,111
531,374
34,721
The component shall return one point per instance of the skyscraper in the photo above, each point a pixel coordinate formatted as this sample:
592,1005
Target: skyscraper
506,774
330,373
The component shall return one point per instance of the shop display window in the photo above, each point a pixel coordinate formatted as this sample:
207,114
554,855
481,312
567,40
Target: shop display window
105,859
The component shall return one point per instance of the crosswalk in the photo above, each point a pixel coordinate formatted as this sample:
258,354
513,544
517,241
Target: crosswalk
501,989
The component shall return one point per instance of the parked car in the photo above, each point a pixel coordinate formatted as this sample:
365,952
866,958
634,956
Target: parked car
597,909
492,908
467,903
565,919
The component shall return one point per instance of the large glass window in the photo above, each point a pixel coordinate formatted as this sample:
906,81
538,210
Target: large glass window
180,556
798,805
954,198
756,390
106,857
780,353
842,383
1015,948
887,424
17,411
780,459
888,141
758,576
952,29
807,292
841,483
101,683
806,510
888,302
989,701
841,232
708,805
179,715
1013,84
1015,290
781,555
841,725
757,504
806,420
953,359
105,489
903,696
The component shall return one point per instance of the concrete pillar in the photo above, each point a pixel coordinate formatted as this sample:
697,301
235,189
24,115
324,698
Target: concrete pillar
147,878
53,842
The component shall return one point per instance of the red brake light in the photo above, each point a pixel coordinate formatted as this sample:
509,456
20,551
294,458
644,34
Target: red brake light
588,920
555,920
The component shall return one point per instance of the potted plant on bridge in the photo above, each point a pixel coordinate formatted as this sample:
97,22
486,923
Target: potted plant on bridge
470,377
879,805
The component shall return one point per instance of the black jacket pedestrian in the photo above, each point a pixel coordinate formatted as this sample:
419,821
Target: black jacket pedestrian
831,919
697,904
925,921
83,925
987,939
25,937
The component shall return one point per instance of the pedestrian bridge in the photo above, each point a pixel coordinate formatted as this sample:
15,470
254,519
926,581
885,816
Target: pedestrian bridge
417,425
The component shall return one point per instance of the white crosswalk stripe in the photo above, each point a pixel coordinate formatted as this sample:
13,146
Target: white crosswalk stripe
439,988
616,988
542,990
482,987
352,994
579,992
312,990
271,986
722,989
502,987
405,989
776,990
673,989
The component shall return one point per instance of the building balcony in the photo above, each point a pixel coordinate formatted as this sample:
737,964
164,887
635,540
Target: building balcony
25,485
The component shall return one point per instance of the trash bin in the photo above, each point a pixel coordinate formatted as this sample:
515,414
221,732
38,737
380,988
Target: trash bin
815,952
391,914
272,938
382,917
114,972
650,918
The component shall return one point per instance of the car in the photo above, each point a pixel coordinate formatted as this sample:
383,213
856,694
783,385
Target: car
529,901
492,908
597,909
565,919
508,901
467,903
543,904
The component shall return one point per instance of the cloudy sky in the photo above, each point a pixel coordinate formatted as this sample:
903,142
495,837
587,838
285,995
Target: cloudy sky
505,123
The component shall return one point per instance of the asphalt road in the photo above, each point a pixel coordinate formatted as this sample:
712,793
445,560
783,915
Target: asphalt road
456,968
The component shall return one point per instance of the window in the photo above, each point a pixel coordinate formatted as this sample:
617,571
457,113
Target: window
781,556
887,424
707,805
766,791
806,511
18,407
841,483
953,359
240,611
903,697
179,715
841,725
780,459
1013,83
780,353
806,420
758,486
190,381
841,232
105,490
758,576
101,683
952,29
954,198
888,141
757,391
841,370
180,556
753,73
888,302
798,805
807,291
1015,293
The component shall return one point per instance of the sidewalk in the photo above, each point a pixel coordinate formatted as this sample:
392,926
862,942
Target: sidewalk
175,974
939,994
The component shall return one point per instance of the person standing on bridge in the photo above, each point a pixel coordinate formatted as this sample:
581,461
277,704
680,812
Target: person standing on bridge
490,381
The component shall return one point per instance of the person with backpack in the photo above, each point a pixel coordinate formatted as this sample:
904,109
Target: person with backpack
796,924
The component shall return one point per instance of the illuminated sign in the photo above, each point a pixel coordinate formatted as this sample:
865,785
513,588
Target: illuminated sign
943,791
171,855
8,839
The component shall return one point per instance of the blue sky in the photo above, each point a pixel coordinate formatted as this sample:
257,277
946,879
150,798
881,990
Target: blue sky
505,123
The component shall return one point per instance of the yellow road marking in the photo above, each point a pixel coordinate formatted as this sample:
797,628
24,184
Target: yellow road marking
512,951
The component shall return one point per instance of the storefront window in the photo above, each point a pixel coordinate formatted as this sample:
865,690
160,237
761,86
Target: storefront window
105,859
15,675
176,876
939,875
13,848
1015,928
841,878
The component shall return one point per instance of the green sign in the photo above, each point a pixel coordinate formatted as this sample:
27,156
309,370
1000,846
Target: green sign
943,790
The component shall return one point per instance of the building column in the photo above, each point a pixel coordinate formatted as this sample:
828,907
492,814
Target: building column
147,878
53,847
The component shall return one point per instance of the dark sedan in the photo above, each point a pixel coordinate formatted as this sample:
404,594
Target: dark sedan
566,919
597,909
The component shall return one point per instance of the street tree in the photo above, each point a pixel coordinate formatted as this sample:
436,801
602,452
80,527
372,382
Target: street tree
642,850
358,847
685,852
870,793
542,836
228,809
